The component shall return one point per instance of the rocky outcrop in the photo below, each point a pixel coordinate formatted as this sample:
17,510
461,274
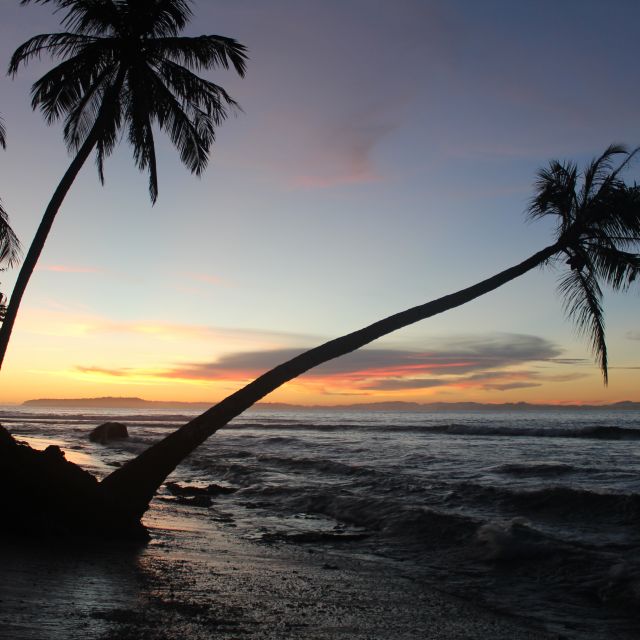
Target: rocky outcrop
42,494
109,431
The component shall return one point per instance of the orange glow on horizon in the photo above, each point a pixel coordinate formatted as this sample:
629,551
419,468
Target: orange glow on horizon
57,353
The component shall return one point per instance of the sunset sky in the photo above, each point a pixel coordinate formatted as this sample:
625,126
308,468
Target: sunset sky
384,157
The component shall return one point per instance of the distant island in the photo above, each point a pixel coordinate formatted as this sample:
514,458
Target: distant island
109,402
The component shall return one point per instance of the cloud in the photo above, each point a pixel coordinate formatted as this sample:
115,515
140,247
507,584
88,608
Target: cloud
571,361
344,155
462,355
508,386
65,322
491,363
632,335
400,384
118,373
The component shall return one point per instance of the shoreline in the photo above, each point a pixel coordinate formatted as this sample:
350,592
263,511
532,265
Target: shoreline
198,583
276,557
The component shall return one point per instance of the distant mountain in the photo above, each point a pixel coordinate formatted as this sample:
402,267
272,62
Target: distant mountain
109,402
138,403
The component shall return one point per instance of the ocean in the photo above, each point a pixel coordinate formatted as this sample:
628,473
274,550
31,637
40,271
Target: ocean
534,513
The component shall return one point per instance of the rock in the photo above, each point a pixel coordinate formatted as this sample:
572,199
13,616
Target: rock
42,494
53,451
109,431
178,489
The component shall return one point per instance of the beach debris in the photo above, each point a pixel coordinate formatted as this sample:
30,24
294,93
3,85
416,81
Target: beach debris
109,431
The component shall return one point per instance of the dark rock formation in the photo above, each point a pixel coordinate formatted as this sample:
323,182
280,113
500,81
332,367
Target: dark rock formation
43,494
109,431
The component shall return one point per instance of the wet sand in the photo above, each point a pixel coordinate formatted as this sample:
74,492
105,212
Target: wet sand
195,582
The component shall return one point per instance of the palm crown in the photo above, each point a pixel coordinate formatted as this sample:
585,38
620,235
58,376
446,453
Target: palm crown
598,227
125,67
598,237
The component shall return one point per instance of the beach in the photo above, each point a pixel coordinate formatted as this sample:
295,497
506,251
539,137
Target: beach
194,584
348,525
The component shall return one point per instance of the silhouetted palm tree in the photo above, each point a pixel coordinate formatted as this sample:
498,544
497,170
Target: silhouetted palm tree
125,68
597,237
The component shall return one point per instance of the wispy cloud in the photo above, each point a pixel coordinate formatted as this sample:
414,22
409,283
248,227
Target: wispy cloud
345,155
118,373
75,322
490,363
632,335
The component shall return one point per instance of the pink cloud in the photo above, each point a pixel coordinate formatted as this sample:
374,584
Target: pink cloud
343,154
482,363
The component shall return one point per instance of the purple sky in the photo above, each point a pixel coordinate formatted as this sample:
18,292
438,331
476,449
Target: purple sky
385,156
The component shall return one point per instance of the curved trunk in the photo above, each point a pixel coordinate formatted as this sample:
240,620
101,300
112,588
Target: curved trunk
37,244
133,485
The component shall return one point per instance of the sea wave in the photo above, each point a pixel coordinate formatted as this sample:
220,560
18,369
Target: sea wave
556,501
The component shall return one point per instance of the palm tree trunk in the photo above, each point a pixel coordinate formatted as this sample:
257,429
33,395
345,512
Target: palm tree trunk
46,223
132,486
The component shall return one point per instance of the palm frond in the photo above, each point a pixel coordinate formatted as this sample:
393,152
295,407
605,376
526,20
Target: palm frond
599,171
582,302
82,117
3,134
617,213
190,129
55,44
111,114
555,193
612,179
619,269
10,249
140,108
62,88
192,89
202,52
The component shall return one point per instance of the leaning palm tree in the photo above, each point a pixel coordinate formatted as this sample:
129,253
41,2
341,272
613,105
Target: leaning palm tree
125,68
597,242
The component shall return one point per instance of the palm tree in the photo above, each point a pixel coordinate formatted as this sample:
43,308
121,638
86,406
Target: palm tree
597,238
125,67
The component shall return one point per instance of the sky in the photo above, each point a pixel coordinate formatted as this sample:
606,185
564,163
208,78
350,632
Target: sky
384,156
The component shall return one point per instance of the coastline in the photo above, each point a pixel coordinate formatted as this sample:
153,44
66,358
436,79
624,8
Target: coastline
322,537
190,582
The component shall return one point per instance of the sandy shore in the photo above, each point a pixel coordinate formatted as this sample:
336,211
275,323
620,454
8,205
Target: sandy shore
202,583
